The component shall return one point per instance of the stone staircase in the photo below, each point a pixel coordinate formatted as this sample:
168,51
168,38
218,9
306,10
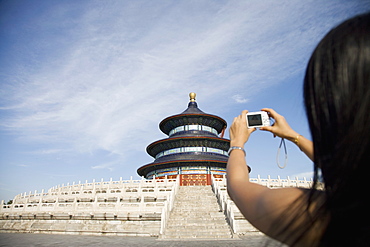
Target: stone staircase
196,215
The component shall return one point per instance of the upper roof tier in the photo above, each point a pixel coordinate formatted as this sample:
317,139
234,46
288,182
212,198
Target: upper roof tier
192,116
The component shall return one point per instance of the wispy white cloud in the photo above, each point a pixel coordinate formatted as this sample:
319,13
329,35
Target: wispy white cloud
109,166
48,151
22,165
239,99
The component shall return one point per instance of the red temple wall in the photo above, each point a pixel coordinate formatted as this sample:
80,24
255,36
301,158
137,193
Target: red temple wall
193,179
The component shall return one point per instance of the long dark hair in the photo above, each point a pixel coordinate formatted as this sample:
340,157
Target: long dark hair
337,101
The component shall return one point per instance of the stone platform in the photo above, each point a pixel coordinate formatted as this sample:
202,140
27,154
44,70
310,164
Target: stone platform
154,208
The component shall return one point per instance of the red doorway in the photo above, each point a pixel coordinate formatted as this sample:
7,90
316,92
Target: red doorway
195,179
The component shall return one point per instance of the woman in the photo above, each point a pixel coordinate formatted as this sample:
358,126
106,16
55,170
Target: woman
337,102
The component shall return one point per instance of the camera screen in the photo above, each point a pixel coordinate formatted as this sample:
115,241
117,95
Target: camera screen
254,120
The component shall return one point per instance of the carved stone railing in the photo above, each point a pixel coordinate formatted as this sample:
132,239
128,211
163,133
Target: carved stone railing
219,187
123,199
166,210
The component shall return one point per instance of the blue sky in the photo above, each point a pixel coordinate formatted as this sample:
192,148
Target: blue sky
84,84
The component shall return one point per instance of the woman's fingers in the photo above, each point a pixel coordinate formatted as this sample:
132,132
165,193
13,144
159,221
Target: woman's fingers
272,113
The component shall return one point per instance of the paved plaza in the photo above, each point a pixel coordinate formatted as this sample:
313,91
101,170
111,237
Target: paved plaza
55,240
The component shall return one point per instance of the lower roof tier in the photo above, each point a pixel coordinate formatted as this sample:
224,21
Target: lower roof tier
191,156
187,141
149,170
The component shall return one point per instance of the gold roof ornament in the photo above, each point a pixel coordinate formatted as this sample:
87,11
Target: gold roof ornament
192,97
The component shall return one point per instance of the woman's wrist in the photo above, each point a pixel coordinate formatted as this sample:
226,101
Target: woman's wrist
297,140
237,144
232,148
292,136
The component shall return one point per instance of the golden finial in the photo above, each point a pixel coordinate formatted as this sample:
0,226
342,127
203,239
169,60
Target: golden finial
192,97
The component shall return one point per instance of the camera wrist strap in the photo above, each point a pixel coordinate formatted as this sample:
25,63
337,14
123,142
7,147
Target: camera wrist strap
278,154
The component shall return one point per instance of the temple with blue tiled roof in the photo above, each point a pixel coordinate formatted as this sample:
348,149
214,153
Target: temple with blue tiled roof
195,148
195,153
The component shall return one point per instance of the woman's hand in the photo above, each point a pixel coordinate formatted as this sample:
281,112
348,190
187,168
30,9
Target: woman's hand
281,127
239,132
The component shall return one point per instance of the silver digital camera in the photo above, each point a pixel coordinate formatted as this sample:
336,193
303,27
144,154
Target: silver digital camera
257,119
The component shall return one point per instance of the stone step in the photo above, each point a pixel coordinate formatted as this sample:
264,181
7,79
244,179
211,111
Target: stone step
203,202
200,193
187,204
185,221
197,215
205,232
196,227
201,209
197,230
197,219
207,209
200,205
196,194
196,222
175,219
197,236
203,198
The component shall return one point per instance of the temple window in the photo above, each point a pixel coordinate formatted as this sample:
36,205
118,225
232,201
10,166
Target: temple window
193,127
191,149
